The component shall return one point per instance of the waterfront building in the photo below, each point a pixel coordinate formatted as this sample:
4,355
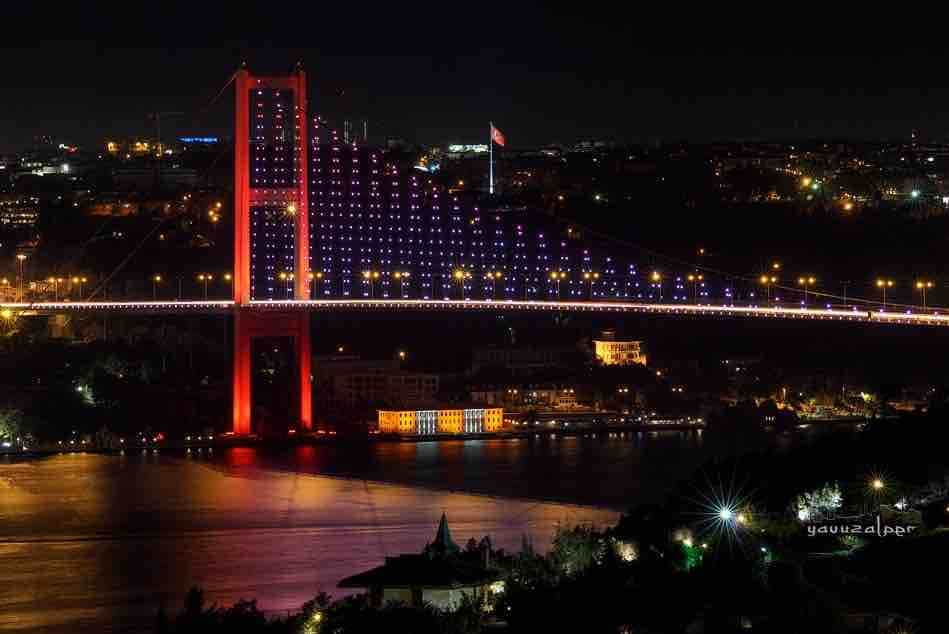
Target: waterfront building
442,420
612,351
442,575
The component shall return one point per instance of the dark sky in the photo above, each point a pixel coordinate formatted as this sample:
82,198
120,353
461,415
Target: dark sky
437,73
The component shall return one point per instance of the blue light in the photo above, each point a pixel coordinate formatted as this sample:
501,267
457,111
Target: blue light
206,140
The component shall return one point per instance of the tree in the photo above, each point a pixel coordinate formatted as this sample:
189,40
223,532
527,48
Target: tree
11,424
819,503
576,549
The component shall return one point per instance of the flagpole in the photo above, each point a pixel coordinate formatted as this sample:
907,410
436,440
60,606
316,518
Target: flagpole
491,157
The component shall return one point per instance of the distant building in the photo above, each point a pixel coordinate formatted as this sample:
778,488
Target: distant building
612,351
349,382
18,211
465,150
137,178
521,395
442,575
441,420
524,359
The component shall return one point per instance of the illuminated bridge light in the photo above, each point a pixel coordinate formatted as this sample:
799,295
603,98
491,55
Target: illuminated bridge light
724,310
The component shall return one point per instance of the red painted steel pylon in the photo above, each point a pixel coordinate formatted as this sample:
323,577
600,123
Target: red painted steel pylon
248,325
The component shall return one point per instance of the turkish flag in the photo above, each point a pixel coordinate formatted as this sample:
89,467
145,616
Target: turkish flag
496,136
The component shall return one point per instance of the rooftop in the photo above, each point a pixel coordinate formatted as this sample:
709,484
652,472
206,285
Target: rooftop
442,564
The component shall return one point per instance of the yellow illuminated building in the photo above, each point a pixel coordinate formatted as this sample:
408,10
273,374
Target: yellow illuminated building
611,351
441,421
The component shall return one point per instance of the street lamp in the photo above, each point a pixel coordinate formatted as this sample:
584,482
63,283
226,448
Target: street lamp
313,275
288,278
557,276
768,281
884,284
493,277
156,280
922,286
591,277
461,275
806,282
20,258
401,277
205,278
55,282
656,278
695,278
78,280
370,276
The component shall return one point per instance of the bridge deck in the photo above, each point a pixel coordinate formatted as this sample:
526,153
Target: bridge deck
711,310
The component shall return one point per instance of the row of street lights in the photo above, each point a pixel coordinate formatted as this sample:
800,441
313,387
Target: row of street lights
204,278
808,282
769,281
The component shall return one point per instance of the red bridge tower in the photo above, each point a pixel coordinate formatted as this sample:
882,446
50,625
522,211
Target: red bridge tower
270,190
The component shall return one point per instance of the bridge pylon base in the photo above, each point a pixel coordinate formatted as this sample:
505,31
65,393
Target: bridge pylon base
251,325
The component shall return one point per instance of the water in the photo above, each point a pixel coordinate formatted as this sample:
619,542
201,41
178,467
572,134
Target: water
95,543
610,470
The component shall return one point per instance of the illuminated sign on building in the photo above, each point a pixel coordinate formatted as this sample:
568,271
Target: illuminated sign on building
205,140
467,148
613,352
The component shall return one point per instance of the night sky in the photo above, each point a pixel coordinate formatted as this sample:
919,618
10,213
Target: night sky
436,73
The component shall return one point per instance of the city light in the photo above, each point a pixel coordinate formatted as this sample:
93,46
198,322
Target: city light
884,284
205,278
768,281
806,282
923,286
714,310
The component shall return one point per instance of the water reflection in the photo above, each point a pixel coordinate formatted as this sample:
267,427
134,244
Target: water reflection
604,469
95,543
